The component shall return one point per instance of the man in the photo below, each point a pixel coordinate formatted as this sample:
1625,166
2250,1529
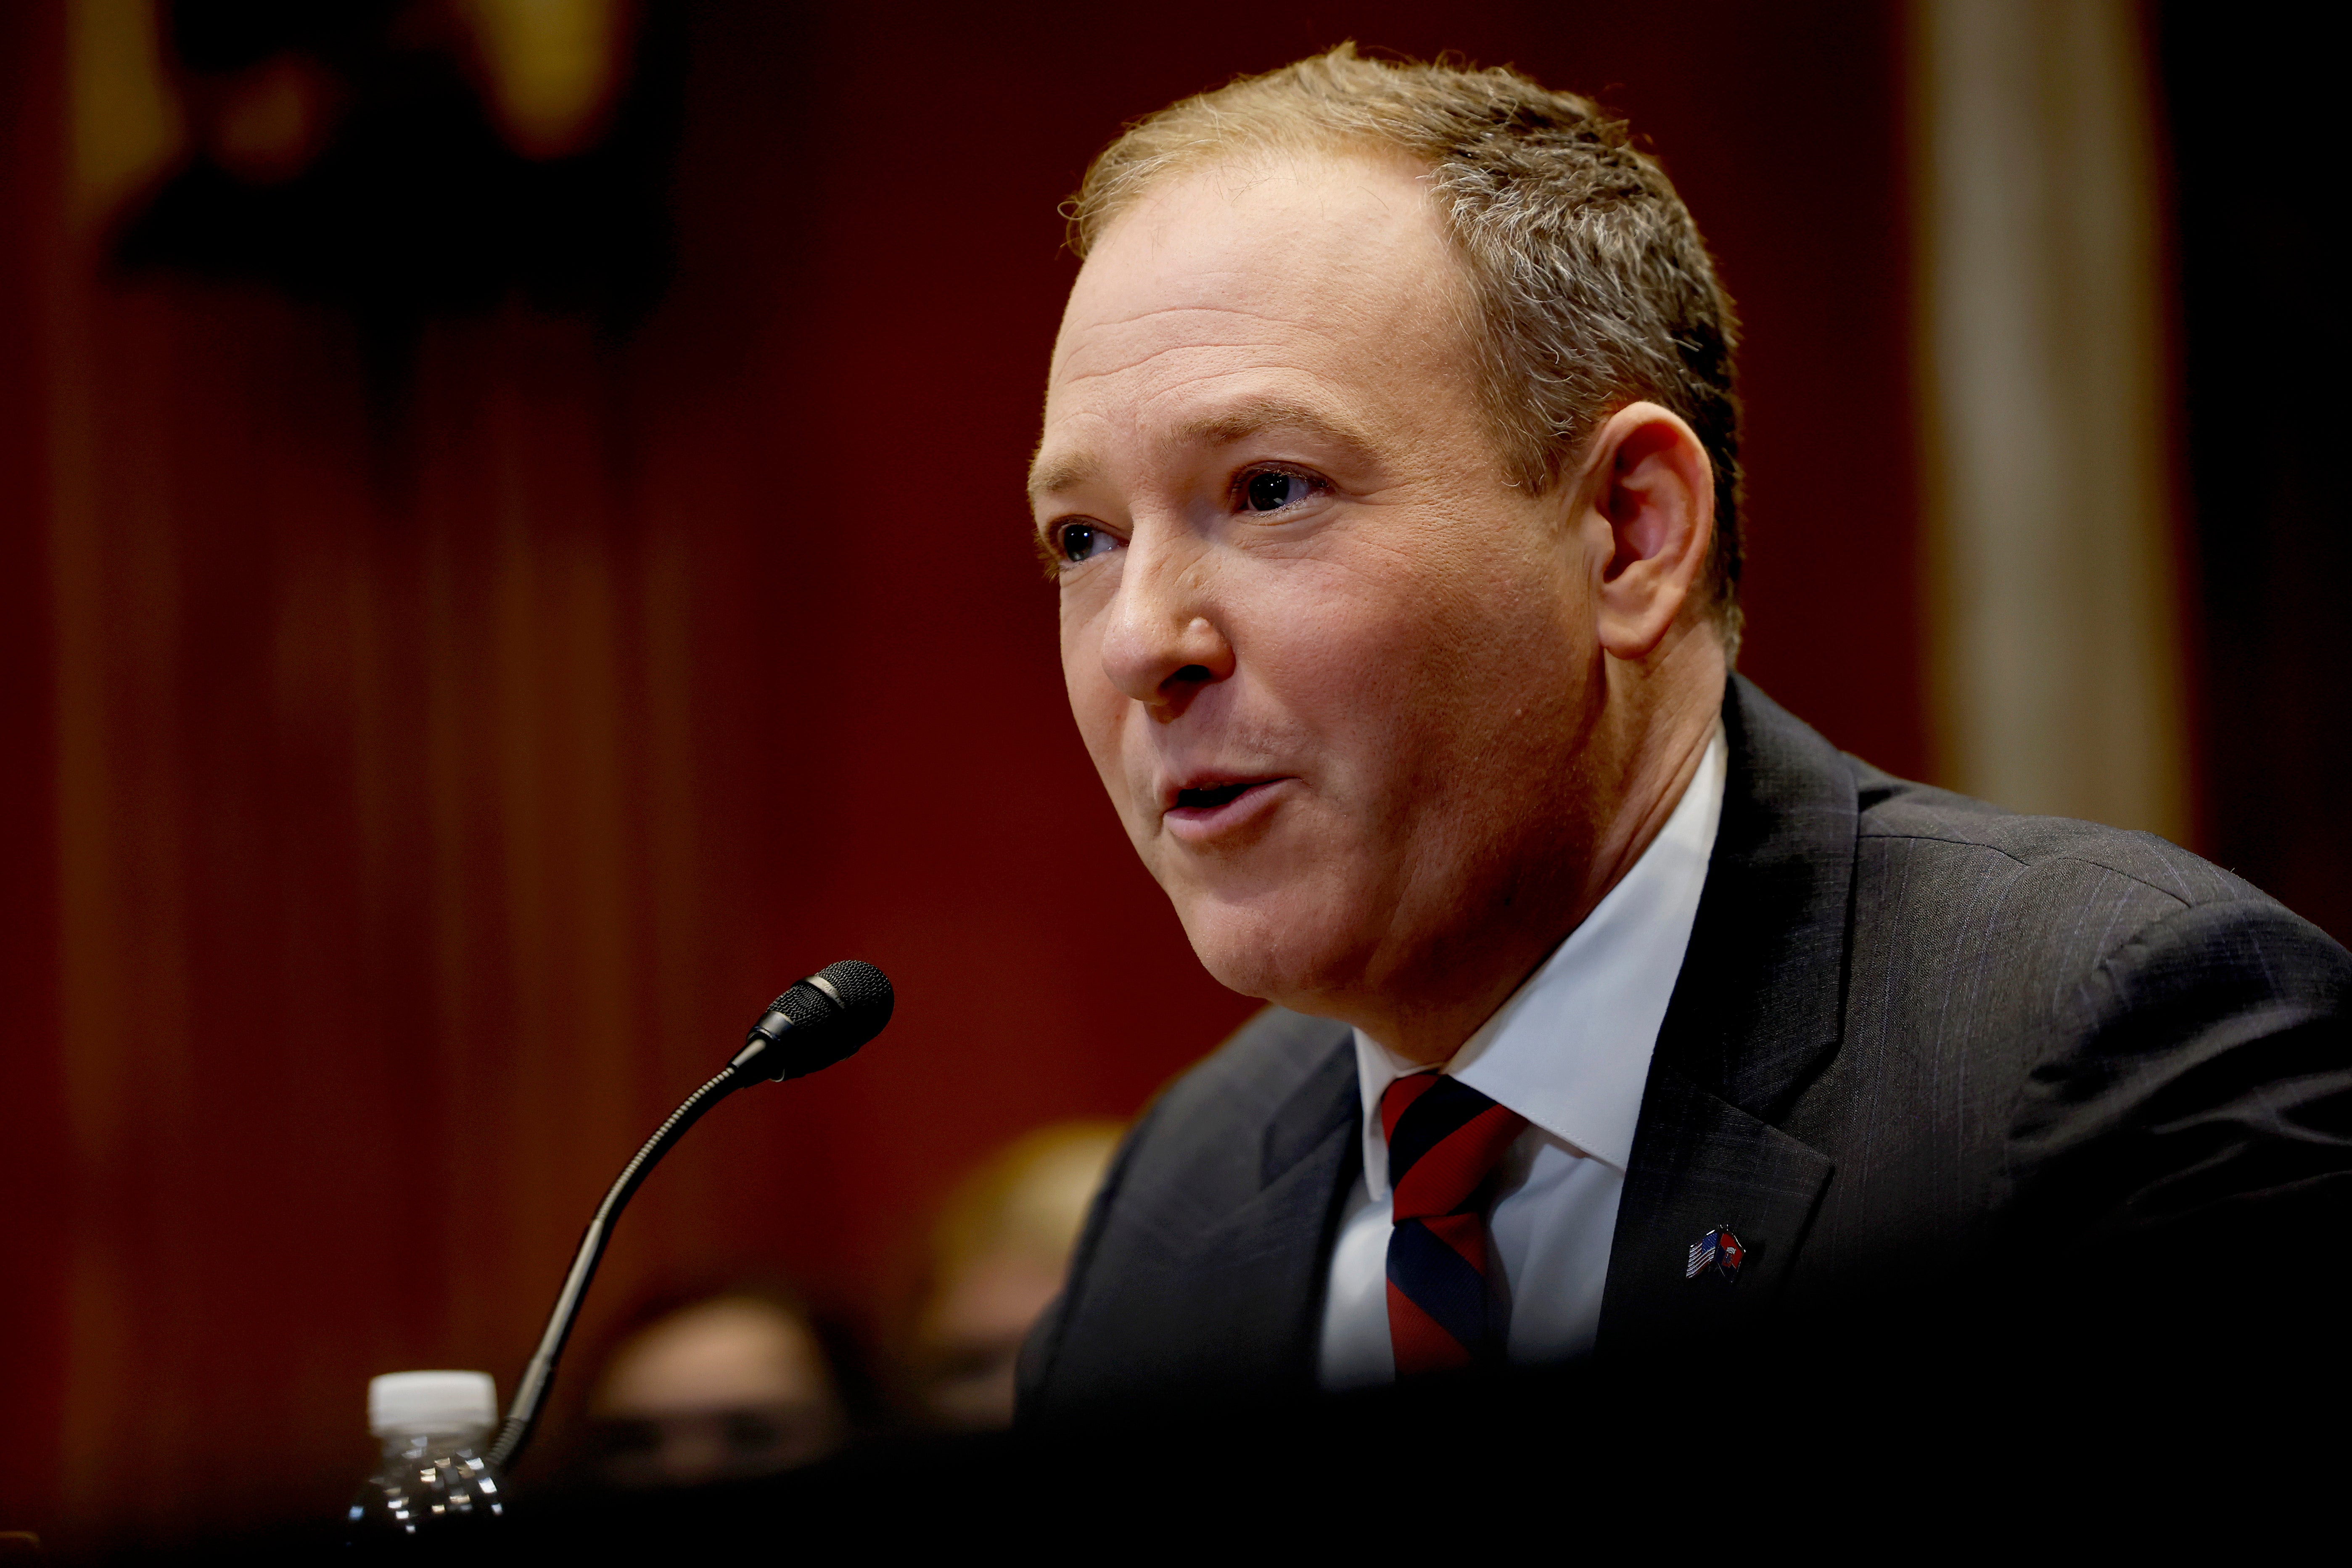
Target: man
1389,473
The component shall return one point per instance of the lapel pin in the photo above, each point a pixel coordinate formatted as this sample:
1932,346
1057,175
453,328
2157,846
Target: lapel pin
1718,1249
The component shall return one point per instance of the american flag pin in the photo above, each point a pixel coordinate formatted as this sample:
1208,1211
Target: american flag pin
1718,1249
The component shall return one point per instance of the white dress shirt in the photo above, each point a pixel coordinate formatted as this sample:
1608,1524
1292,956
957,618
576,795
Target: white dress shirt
1570,1052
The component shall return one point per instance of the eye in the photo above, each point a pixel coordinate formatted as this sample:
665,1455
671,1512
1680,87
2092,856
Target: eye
1271,490
1077,542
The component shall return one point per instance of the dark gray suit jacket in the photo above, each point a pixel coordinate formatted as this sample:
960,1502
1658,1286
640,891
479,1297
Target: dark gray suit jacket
1916,1040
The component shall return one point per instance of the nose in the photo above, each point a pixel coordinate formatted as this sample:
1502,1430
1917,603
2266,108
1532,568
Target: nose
1163,644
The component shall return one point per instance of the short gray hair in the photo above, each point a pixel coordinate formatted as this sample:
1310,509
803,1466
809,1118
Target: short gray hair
1593,285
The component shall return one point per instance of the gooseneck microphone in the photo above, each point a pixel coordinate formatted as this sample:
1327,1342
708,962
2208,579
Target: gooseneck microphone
813,1025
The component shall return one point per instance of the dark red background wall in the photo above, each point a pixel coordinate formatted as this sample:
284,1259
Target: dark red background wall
410,797
34,1149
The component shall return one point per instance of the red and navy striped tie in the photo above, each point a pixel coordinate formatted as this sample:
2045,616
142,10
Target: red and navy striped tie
1444,1138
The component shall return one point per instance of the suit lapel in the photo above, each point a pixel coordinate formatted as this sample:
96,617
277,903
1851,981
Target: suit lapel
1257,1304
1328,1101
1755,1016
1174,1298
1701,1163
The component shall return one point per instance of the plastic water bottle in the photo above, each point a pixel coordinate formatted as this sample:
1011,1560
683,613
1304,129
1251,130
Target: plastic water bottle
433,1487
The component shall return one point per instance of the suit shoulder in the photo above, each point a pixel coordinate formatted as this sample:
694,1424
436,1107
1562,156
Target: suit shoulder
2252,954
2038,928
1906,820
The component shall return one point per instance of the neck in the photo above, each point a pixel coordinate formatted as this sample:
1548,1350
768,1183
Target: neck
1656,722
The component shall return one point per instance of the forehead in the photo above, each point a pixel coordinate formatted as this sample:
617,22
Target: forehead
1329,275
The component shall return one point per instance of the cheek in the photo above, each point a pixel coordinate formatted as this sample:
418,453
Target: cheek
1359,653
1417,675
1099,707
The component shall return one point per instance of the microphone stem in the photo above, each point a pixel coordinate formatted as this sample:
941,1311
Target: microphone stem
523,1413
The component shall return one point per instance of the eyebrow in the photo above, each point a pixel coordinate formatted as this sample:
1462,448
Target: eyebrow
1066,471
1252,416
1223,427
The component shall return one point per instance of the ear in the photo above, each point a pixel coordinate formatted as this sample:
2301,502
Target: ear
1650,487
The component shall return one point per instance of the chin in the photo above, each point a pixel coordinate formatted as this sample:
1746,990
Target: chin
1287,949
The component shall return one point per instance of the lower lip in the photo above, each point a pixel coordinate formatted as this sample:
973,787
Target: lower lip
1199,824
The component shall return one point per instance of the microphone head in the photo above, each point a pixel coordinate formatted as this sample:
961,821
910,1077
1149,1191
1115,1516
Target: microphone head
818,1022
863,990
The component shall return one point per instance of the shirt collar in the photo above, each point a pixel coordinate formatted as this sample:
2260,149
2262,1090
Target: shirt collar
1571,1049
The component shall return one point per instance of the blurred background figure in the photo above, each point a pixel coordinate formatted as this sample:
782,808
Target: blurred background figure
723,1388
997,1258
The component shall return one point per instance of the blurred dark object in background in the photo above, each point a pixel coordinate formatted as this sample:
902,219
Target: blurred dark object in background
2257,168
409,157
732,1385
998,1254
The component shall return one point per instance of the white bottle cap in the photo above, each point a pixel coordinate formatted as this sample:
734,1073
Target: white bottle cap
405,1402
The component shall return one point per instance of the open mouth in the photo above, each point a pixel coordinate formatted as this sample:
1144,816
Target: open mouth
1211,798
1206,810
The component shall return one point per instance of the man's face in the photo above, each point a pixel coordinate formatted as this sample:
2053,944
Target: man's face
1334,669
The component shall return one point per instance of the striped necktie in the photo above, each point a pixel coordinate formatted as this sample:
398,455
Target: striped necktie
1444,1138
